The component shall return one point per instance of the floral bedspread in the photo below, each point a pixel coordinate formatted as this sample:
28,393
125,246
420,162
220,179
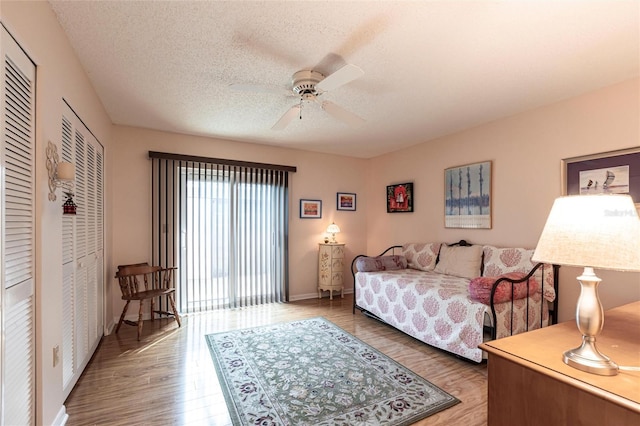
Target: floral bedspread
437,309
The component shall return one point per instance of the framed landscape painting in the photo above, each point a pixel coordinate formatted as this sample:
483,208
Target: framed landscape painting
346,201
310,209
467,196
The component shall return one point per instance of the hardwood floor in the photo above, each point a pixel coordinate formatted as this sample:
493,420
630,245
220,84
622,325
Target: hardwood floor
168,378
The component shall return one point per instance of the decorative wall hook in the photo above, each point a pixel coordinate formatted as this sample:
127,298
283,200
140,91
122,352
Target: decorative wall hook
61,175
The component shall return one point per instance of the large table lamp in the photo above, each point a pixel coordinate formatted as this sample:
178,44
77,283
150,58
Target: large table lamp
591,231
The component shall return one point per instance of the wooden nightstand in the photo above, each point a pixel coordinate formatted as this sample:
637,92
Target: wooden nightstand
330,269
529,384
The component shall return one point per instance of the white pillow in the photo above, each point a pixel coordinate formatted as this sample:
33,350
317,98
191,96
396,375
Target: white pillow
460,261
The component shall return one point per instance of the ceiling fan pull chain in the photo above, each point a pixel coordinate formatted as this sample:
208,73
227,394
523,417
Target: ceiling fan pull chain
300,107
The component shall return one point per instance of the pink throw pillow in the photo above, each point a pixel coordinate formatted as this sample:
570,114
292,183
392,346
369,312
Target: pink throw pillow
381,263
480,288
421,256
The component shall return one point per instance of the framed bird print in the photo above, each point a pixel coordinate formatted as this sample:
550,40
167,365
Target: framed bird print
616,172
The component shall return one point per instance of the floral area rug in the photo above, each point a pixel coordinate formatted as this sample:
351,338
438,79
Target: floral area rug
311,372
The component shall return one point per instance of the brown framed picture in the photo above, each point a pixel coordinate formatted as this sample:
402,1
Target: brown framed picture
400,198
310,209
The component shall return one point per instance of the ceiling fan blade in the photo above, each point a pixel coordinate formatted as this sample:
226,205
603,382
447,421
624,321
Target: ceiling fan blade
284,121
256,88
342,114
339,78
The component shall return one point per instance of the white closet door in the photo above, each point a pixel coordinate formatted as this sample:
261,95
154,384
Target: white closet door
17,248
82,240
68,273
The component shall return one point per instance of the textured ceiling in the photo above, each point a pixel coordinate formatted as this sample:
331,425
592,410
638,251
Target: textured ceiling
431,68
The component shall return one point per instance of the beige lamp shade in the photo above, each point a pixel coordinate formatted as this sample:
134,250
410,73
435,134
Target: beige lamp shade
333,229
597,231
65,171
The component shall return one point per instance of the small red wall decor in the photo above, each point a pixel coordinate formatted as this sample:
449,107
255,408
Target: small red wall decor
400,198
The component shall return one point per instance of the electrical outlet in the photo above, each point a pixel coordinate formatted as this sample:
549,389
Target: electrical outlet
56,355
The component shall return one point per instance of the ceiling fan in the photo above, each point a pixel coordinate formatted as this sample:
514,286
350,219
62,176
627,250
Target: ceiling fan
308,86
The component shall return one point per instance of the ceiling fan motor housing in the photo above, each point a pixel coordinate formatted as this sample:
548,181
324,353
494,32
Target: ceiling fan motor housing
304,82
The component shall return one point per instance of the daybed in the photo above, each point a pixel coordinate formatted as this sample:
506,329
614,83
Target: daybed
456,296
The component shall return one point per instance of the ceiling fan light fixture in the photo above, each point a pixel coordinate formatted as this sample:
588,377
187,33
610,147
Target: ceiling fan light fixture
309,85
304,82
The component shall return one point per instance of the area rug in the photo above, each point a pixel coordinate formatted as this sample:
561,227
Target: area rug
311,372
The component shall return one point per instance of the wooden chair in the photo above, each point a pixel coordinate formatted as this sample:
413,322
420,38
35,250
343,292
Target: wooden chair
142,281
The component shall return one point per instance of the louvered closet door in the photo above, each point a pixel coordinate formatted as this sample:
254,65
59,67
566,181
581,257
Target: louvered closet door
82,251
17,235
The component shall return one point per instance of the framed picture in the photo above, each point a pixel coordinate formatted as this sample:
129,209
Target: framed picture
614,172
400,198
310,209
346,201
467,196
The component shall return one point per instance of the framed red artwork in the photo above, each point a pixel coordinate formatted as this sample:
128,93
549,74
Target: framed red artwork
400,198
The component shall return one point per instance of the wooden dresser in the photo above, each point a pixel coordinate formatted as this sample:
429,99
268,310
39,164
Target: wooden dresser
529,384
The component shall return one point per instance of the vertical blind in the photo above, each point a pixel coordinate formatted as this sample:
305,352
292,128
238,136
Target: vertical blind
224,224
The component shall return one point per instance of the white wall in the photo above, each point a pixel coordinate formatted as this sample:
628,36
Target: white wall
59,75
318,176
526,151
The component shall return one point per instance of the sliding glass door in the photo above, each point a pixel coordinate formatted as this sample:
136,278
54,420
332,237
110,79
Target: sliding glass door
225,227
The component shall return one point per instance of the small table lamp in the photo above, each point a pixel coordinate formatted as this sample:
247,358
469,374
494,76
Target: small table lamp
333,229
591,231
